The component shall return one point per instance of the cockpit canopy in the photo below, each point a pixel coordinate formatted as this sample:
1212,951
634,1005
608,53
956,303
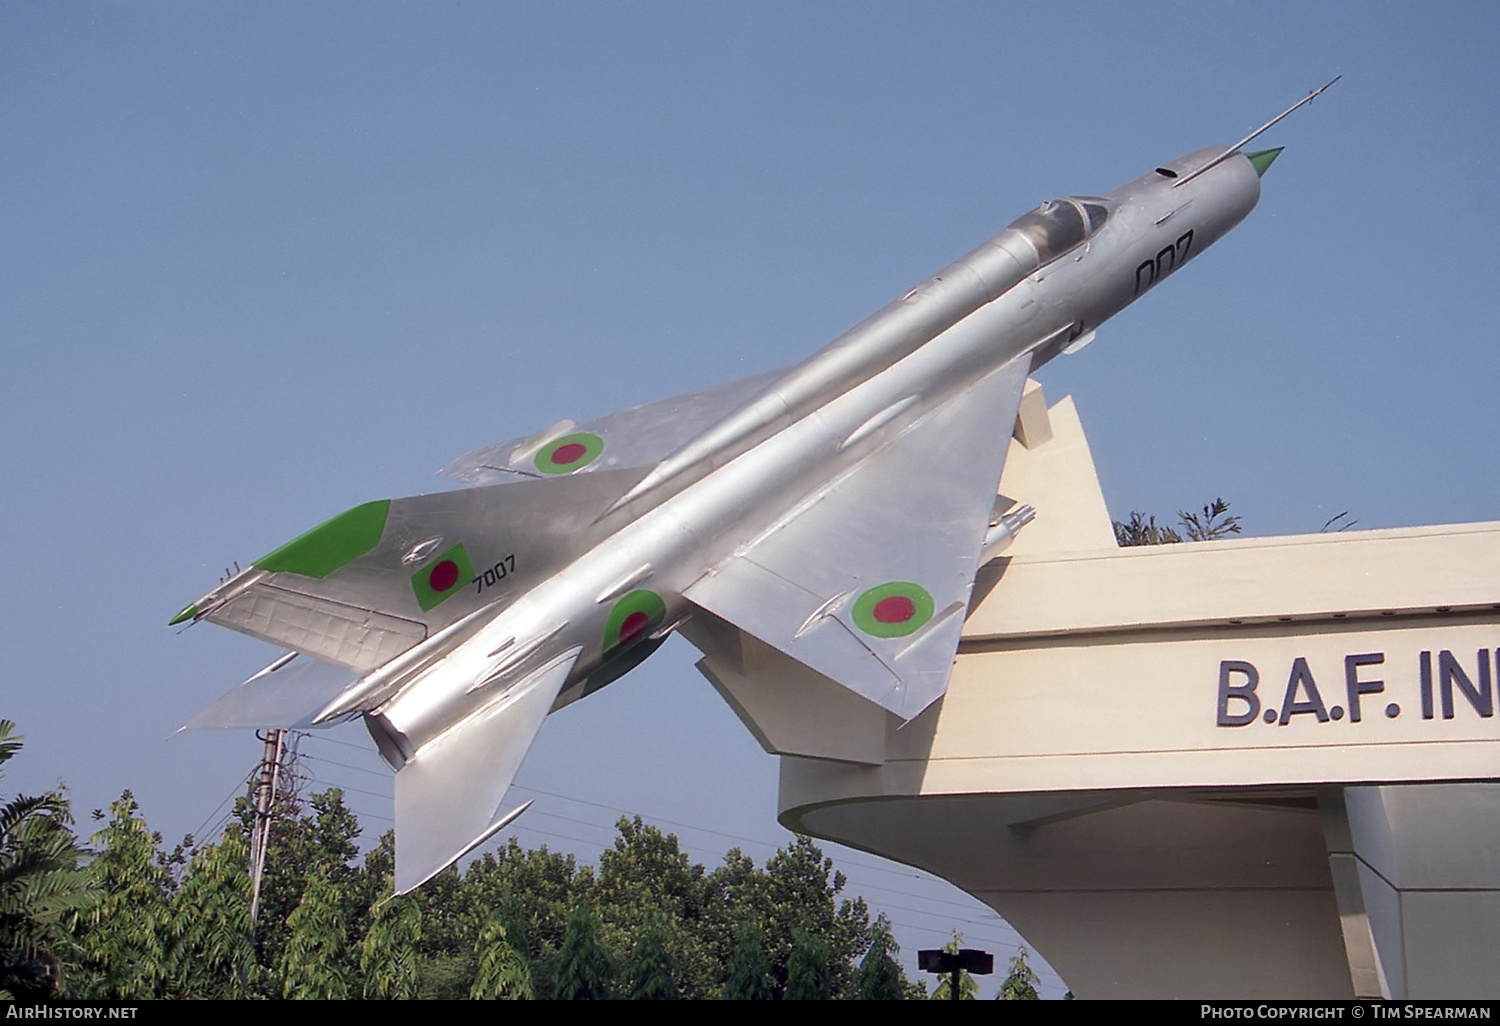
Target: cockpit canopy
1058,225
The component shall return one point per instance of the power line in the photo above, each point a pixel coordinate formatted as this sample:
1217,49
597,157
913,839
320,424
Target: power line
955,914
204,828
844,861
347,765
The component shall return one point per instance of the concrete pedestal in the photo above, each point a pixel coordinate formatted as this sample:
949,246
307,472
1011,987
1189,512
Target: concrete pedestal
1243,768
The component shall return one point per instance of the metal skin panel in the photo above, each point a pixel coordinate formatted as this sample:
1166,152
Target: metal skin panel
768,605
286,694
449,792
837,512
347,635
368,611
797,588
638,437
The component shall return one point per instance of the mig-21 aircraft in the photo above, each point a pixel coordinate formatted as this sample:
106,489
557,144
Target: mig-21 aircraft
837,510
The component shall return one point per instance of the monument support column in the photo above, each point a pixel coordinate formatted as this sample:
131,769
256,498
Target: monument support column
1416,870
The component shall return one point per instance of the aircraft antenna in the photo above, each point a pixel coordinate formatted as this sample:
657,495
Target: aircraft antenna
1309,98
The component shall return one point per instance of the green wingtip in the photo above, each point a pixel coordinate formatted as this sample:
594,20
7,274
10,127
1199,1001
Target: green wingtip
188,612
1263,159
332,544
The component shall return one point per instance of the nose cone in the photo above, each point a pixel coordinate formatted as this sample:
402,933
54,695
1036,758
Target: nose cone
1263,159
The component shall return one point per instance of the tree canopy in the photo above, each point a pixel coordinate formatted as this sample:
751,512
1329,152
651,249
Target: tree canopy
1211,523
133,920
41,886
130,919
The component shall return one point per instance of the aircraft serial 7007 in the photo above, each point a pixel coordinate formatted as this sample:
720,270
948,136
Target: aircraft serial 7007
837,510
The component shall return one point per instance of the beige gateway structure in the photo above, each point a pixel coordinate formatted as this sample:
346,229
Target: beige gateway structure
1258,767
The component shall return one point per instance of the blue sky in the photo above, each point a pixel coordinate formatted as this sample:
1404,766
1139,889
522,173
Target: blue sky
262,262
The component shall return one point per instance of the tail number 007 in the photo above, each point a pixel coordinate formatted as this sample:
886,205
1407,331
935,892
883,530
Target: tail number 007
1147,273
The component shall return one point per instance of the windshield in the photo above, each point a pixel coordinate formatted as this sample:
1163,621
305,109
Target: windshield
1058,225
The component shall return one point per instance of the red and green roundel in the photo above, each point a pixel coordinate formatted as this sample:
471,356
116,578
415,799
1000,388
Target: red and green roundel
633,619
893,610
442,577
569,453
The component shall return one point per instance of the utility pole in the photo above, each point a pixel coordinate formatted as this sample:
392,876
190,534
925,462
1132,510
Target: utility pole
265,802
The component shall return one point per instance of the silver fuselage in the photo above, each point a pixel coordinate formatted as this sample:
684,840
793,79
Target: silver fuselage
781,451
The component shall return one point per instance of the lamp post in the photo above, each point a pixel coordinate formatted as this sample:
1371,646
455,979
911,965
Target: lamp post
954,963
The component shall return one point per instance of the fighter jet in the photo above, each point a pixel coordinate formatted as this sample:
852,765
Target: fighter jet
837,510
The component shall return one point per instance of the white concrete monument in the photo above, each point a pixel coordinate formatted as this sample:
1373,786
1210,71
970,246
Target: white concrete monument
1258,767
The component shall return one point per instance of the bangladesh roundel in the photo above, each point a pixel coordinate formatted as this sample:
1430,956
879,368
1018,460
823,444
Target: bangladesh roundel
634,618
893,610
569,453
446,574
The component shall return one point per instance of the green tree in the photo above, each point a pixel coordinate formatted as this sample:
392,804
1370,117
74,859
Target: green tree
648,885
122,939
314,960
741,896
451,924
880,977
1020,983
808,976
535,891
211,955
316,841
1143,530
388,958
583,971
177,925
804,888
651,972
504,967
749,968
1209,524
41,886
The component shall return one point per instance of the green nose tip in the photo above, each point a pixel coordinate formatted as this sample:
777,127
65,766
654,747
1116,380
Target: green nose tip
1263,159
